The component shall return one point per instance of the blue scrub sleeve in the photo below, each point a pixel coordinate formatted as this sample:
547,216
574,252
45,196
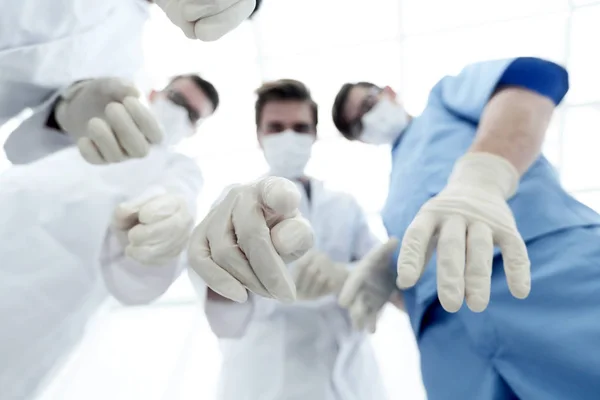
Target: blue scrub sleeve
543,77
467,94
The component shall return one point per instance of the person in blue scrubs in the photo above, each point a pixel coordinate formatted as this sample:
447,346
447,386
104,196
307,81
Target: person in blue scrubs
483,217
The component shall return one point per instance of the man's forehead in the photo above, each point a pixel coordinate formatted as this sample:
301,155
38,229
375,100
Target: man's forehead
288,109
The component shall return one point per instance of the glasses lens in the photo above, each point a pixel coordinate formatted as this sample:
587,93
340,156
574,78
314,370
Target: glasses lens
178,99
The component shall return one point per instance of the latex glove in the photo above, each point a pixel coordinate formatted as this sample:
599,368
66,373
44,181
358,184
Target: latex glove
108,120
157,228
246,239
467,219
369,286
207,20
316,275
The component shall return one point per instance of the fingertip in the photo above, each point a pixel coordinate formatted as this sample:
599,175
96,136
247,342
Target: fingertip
407,276
476,303
132,101
520,291
89,151
239,295
451,296
234,291
292,237
279,194
450,305
393,242
344,300
289,296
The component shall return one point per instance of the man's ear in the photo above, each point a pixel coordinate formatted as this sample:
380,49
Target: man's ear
390,92
258,135
152,95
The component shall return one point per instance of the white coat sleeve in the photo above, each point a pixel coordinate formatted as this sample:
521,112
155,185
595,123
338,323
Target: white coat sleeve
33,139
227,319
363,238
131,282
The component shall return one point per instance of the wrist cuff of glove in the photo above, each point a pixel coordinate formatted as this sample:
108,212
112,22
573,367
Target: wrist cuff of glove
486,170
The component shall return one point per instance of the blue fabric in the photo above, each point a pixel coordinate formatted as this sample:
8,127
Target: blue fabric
423,158
544,347
541,76
541,348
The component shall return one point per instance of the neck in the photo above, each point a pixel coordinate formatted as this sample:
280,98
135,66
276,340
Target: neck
301,179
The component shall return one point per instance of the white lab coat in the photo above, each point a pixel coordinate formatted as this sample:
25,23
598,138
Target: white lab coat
307,350
46,45
60,260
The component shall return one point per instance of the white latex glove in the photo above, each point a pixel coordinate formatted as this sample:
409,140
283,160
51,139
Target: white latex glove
369,286
245,240
207,20
465,221
108,120
316,275
157,228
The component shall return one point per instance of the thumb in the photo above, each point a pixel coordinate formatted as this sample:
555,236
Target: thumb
278,195
381,255
119,89
126,214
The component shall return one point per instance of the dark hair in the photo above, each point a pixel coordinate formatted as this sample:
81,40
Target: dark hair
258,3
337,111
205,86
284,90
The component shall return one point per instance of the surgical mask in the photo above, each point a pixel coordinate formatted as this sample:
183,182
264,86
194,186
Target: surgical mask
287,153
384,123
173,120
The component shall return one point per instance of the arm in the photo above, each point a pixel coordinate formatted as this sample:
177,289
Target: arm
511,107
515,120
512,102
228,319
35,138
132,282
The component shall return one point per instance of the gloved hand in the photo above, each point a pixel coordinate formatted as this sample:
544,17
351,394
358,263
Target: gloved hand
207,20
245,240
316,275
156,228
108,120
470,216
369,286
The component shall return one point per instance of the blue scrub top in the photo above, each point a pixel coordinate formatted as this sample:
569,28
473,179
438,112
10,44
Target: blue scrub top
424,155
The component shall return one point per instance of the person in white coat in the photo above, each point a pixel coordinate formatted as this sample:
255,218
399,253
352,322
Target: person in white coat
46,45
73,234
305,350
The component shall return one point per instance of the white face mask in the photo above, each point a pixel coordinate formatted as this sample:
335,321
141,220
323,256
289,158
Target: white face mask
173,119
384,123
287,153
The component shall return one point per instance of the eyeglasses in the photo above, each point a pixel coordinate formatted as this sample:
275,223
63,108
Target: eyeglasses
180,100
365,106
